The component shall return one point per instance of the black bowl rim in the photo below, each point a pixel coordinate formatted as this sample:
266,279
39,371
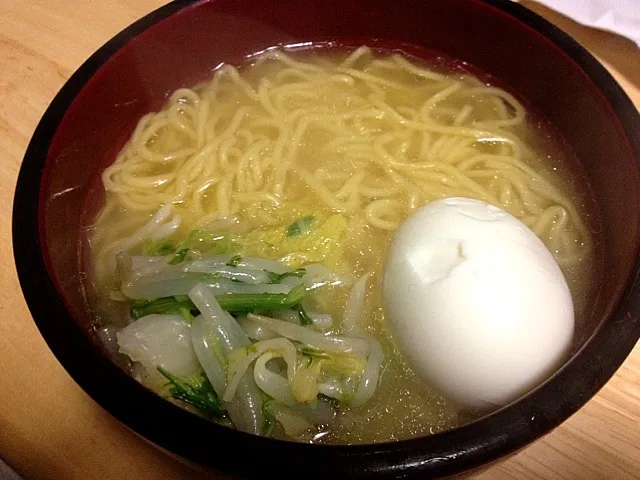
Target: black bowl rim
506,431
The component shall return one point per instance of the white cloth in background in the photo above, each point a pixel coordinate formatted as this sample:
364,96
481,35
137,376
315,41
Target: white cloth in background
618,16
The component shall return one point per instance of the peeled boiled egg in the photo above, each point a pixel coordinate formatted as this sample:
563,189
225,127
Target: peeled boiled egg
476,301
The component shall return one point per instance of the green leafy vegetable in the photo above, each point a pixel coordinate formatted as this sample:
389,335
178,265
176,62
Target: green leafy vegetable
186,314
215,346
308,351
230,302
166,247
210,277
249,302
308,358
196,390
278,277
234,261
206,242
303,225
305,319
269,420
294,295
178,257
210,242
166,305
161,248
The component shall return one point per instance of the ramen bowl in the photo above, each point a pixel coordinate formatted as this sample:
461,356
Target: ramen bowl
179,44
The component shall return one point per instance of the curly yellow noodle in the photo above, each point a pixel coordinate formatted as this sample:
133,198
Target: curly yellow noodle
416,70
377,210
354,56
372,138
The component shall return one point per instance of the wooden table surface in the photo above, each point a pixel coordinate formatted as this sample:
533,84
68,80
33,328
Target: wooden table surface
50,429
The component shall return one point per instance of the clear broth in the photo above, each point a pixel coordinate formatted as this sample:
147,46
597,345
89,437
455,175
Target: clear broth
403,405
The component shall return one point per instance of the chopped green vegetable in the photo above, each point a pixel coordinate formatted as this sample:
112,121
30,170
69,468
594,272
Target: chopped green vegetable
210,242
308,358
301,226
178,257
278,277
322,243
161,248
234,261
216,349
249,302
305,319
210,277
230,302
269,420
206,242
307,351
294,295
340,363
196,390
311,239
186,314
166,305
203,276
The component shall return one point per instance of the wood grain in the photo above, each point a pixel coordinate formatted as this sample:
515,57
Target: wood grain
50,429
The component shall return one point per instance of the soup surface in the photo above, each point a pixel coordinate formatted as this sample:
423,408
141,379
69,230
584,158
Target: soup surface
303,158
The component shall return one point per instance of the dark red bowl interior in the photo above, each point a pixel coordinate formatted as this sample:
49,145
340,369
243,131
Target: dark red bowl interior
179,45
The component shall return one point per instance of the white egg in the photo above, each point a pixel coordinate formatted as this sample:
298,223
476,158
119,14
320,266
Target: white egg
477,302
